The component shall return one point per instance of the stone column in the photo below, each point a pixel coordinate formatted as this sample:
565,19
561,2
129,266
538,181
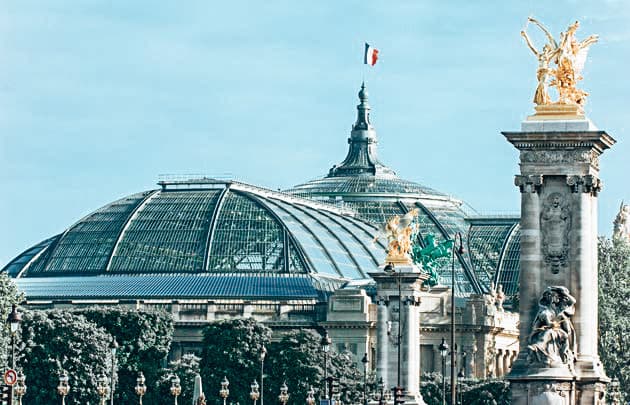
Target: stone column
399,300
559,183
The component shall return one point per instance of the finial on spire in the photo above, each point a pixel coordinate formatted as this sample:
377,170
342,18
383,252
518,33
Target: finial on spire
363,94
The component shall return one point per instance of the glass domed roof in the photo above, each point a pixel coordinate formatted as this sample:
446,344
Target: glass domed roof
208,226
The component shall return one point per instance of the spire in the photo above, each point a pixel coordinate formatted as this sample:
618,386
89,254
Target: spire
361,158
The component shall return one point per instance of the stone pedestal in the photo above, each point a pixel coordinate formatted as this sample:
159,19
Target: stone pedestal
398,324
559,183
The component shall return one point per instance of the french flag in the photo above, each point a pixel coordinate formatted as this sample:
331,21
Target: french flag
371,55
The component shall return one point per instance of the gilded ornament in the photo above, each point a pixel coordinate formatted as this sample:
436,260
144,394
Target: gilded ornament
567,57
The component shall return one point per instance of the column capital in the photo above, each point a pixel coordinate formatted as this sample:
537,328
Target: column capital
530,183
589,184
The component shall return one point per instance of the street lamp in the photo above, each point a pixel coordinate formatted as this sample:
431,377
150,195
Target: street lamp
325,344
14,320
310,396
176,388
263,353
140,387
63,388
381,389
102,387
224,392
113,346
443,348
20,386
460,376
284,394
254,394
458,249
365,361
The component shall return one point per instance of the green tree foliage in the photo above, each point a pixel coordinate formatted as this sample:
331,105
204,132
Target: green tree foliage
186,369
614,307
470,391
58,340
232,348
9,295
144,339
298,359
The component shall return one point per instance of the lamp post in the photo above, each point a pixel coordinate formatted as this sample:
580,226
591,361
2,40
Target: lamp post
263,353
63,388
458,249
140,387
460,376
254,394
113,347
20,386
284,394
381,389
310,396
102,387
443,348
365,361
14,320
224,392
176,388
325,344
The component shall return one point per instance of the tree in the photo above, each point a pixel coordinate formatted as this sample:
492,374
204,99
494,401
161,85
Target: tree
144,338
57,340
186,369
297,360
9,295
614,307
231,348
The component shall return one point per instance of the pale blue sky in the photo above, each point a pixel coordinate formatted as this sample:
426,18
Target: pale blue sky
97,98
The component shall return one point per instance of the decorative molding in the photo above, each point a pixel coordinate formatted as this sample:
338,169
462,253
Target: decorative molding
528,183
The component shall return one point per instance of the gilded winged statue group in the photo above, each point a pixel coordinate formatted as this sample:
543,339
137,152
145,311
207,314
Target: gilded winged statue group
560,64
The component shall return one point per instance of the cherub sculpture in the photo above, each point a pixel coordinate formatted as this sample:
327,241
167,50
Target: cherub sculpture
398,230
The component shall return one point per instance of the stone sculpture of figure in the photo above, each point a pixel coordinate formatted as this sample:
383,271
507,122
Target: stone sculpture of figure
500,297
548,54
398,233
622,223
555,224
553,342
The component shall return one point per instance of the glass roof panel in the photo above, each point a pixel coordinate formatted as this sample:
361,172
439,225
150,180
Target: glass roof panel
339,253
485,243
307,240
509,266
86,247
362,185
377,212
247,238
168,234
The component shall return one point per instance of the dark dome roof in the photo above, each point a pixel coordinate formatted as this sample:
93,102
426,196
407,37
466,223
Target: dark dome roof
208,226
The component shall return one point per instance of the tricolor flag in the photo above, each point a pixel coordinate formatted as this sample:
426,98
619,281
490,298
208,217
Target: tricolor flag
371,55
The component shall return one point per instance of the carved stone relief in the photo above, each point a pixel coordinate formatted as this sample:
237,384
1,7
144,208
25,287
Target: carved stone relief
555,225
552,342
560,156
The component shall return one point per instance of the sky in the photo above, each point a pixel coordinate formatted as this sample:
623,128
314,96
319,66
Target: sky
100,98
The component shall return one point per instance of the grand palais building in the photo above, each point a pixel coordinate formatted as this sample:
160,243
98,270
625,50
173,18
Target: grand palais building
207,249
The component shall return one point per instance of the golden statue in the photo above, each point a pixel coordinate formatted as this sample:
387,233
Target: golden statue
398,233
569,57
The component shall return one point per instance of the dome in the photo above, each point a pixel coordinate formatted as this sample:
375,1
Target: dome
364,184
205,231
